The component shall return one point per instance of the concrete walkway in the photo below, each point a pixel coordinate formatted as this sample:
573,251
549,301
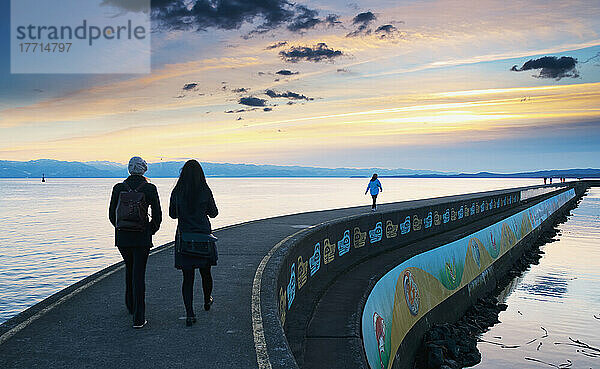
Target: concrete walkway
92,329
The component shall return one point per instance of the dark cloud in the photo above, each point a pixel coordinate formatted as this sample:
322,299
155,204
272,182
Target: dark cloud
386,31
241,89
252,101
551,67
387,28
305,19
189,86
232,14
317,53
276,45
127,5
288,95
332,20
362,20
240,110
285,72
308,18
225,14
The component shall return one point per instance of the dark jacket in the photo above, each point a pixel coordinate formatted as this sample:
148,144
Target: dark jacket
133,238
193,218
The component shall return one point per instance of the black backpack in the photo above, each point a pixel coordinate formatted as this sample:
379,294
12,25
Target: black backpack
132,210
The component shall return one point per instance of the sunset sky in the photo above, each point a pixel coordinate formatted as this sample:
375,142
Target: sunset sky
394,84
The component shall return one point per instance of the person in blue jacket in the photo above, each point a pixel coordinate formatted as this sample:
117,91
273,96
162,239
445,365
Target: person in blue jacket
374,186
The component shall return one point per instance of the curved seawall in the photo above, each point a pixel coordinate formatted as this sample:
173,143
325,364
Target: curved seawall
416,286
316,283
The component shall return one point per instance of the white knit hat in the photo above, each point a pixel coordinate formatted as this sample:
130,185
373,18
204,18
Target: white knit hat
137,165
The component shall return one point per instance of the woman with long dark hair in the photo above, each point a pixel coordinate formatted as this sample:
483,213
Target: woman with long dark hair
192,203
374,186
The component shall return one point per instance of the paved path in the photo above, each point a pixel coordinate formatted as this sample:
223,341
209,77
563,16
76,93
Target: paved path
92,328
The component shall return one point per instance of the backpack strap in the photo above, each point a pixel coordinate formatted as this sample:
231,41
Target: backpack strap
140,186
127,186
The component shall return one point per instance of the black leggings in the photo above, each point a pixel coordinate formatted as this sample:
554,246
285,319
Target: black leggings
374,201
187,287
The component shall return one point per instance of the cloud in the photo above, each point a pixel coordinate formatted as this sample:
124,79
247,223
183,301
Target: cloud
386,30
128,5
551,67
317,53
241,89
189,86
267,109
308,18
332,20
276,45
231,14
240,111
363,20
285,72
288,95
252,101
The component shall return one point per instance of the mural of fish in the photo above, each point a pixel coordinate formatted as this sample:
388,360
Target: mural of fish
344,243
360,238
328,251
291,287
391,229
376,233
405,227
417,223
302,272
428,221
315,260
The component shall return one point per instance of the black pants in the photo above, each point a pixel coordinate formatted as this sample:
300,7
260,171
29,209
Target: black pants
135,280
187,287
374,206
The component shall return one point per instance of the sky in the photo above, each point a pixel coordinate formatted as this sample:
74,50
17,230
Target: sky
450,85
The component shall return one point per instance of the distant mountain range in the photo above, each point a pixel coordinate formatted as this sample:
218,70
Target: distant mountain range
170,169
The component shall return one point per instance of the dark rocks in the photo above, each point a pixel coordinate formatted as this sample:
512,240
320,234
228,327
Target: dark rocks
435,357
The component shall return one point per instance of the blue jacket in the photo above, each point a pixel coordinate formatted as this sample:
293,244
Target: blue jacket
374,186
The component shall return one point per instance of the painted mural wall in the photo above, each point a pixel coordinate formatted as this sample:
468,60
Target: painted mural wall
345,242
406,293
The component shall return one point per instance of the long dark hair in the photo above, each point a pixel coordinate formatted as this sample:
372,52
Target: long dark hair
374,177
191,185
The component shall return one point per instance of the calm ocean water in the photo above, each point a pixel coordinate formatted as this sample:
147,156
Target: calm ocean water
55,233
554,302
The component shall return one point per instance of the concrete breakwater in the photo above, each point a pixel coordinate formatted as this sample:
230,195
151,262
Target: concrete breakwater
467,233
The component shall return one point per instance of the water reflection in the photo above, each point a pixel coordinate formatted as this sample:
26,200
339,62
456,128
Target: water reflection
553,310
553,284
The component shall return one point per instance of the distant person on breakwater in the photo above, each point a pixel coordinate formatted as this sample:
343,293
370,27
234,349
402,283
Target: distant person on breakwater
192,202
128,213
374,186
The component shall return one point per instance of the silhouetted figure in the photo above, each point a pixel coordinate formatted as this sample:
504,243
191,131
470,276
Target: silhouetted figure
128,212
550,180
545,180
192,203
43,178
374,186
